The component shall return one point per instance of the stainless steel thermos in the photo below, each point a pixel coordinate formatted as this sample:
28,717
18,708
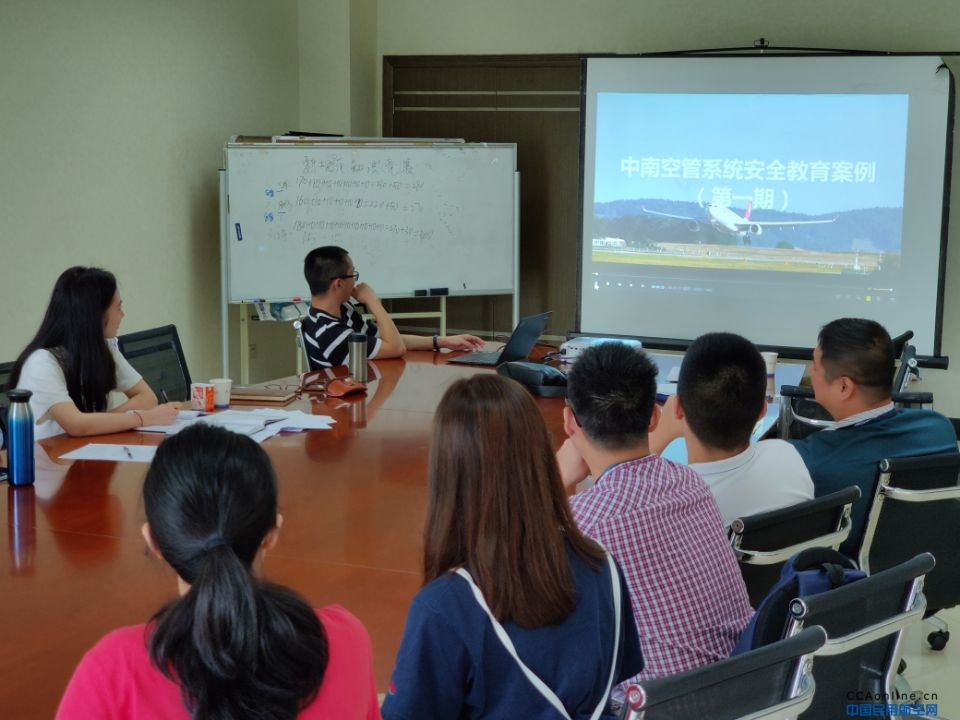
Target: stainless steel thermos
358,357
20,465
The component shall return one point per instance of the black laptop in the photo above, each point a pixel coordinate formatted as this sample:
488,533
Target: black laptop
521,342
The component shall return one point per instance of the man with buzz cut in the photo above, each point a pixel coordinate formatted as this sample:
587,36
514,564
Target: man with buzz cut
720,396
852,377
334,286
658,518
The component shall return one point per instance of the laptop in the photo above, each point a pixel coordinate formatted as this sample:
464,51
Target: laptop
518,346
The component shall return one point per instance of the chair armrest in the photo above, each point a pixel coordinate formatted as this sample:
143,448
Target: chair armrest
796,391
918,496
912,398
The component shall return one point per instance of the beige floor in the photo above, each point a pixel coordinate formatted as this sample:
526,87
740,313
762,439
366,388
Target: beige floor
936,672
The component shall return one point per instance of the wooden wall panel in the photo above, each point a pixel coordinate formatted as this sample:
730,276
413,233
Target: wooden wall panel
533,101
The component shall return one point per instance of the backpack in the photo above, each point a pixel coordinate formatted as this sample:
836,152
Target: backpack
809,572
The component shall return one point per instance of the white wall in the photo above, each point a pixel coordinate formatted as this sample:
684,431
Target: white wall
113,116
440,27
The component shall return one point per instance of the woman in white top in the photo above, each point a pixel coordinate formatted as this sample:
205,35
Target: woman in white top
73,363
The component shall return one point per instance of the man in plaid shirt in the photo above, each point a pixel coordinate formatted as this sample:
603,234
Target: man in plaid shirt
658,518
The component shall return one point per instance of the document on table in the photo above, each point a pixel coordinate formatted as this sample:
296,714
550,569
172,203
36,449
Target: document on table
259,423
116,453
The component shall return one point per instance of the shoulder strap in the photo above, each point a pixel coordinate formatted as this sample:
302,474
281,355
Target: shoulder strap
534,679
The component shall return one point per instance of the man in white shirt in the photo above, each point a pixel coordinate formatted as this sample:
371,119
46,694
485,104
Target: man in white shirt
720,396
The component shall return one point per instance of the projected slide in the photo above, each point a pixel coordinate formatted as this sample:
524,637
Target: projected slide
789,183
763,195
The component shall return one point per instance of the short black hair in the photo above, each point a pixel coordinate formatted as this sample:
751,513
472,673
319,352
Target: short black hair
611,389
721,386
323,265
861,350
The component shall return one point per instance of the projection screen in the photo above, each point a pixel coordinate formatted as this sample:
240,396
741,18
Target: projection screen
764,196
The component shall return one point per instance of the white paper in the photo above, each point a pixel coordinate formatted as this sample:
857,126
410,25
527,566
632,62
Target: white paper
258,423
299,420
115,453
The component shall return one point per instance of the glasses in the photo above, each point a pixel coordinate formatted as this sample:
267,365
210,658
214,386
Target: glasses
355,275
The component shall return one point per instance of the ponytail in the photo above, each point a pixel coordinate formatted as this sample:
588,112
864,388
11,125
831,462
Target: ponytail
238,647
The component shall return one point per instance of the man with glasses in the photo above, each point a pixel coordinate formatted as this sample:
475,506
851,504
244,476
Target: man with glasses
333,317
852,378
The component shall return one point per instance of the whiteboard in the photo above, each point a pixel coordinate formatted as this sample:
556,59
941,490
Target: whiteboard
415,216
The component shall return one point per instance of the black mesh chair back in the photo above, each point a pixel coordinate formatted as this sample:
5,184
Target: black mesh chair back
158,356
864,621
771,682
916,508
763,542
800,414
6,369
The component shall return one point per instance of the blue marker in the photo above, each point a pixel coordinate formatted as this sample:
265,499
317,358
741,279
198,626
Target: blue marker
239,231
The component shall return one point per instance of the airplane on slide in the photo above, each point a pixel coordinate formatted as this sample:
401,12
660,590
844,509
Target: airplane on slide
728,221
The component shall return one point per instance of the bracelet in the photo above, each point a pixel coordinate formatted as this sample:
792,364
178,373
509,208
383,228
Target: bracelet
436,345
137,413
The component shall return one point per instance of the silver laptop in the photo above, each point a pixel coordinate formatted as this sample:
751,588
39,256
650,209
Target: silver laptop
521,342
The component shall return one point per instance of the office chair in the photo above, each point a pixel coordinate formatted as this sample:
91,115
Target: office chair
6,369
762,542
771,682
864,621
158,356
801,415
916,508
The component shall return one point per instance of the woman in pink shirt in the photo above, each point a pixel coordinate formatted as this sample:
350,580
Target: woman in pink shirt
231,645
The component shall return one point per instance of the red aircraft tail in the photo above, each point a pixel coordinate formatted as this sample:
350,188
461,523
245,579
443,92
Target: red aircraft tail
746,215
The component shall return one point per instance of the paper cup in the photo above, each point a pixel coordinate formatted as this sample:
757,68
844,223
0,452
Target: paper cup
221,391
201,397
770,360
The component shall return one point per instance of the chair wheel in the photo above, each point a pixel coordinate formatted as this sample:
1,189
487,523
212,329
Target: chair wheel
938,639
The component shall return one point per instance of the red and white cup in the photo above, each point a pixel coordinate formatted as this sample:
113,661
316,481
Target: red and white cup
201,397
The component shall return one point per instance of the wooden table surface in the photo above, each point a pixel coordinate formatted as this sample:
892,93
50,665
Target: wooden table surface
73,564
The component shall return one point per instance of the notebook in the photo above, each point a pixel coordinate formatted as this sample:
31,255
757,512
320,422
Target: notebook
259,393
518,346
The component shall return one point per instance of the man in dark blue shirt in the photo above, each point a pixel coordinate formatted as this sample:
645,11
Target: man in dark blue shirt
852,376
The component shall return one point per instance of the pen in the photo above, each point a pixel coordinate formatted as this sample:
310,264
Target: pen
163,396
128,453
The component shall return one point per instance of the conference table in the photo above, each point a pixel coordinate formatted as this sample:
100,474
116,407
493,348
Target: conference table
73,564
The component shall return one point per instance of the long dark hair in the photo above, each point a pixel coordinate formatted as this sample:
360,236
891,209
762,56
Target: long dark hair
497,505
72,329
237,646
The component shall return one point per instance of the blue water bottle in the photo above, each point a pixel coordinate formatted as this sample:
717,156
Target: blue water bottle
20,465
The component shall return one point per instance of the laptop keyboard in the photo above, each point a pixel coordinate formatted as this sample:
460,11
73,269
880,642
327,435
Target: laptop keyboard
484,356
